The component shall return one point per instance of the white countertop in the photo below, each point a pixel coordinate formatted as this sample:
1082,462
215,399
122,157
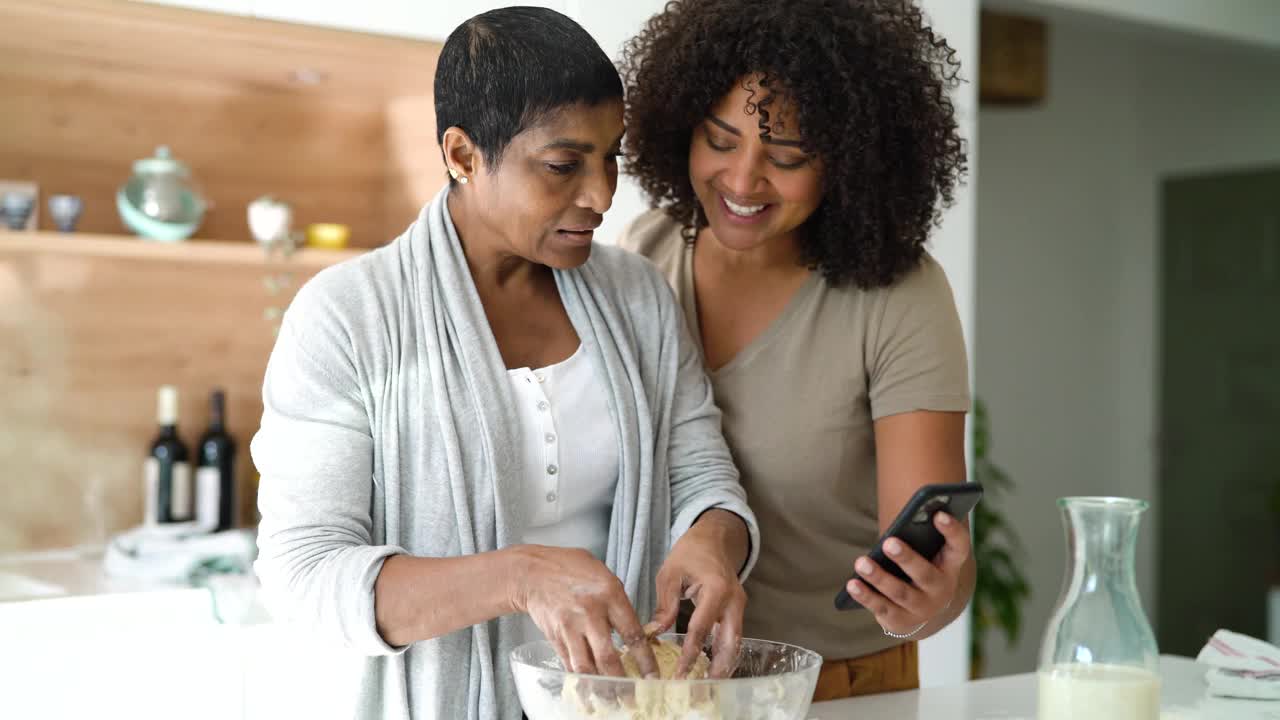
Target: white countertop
65,573
71,573
1182,697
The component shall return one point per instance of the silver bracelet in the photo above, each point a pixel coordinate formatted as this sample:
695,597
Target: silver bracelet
907,636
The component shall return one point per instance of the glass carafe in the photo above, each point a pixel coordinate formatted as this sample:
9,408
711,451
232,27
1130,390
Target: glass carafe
1099,659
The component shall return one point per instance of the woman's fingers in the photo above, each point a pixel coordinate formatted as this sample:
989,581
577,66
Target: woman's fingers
728,636
600,639
958,548
901,605
719,602
622,617
889,615
926,576
898,592
581,659
700,625
578,604
562,651
669,588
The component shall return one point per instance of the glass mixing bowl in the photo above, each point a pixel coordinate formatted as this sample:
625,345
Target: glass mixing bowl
774,681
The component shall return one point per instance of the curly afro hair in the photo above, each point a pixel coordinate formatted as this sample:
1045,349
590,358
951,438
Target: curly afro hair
869,80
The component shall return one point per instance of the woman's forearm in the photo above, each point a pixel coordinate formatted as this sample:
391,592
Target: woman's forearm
728,532
419,598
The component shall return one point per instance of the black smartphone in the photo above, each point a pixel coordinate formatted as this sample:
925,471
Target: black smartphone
914,526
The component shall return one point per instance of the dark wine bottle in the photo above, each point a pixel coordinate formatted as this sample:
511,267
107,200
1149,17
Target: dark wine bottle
167,470
215,465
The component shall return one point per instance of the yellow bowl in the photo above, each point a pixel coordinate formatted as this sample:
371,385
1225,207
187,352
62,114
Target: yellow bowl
330,236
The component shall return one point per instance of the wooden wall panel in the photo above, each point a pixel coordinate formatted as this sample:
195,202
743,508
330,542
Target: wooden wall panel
88,331
87,87
339,124
413,157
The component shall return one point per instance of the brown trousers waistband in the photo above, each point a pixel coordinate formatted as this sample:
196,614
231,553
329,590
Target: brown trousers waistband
897,668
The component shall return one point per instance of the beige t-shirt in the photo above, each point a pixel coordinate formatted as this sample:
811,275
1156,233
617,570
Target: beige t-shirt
799,402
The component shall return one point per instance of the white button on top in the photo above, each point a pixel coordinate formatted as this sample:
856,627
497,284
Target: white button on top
542,377
552,469
542,405
551,497
551,437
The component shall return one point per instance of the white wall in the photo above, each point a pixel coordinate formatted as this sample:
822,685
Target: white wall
1248,21
612,24
1043,268
944,658
1067,267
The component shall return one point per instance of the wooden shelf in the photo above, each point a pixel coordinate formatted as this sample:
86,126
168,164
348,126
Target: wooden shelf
222,252
90,324
338,124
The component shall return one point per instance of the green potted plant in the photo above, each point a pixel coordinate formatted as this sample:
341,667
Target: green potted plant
1001,587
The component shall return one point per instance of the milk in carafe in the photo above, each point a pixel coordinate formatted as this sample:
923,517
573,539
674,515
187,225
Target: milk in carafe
1098,692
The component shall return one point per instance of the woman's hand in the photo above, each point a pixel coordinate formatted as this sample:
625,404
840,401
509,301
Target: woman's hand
901,607
703,567
578,603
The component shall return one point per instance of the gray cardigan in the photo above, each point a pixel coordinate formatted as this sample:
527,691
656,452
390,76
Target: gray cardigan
386,429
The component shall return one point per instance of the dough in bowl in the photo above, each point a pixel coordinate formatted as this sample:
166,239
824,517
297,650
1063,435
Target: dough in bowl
587,698
667,654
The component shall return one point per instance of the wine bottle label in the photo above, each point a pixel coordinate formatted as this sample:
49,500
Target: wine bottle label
208,496
150,491
180,496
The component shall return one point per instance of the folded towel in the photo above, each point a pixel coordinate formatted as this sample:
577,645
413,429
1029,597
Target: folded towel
173,553
1241,666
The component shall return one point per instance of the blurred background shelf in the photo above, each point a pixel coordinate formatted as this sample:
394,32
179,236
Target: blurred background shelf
90,325
338,124
190,251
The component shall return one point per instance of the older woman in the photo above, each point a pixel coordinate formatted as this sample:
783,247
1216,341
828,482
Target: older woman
490,429
800,153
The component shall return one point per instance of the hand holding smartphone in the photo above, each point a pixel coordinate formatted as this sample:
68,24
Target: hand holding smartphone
914,527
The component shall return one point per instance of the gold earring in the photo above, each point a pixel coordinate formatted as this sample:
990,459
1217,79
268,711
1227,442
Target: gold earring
453,173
